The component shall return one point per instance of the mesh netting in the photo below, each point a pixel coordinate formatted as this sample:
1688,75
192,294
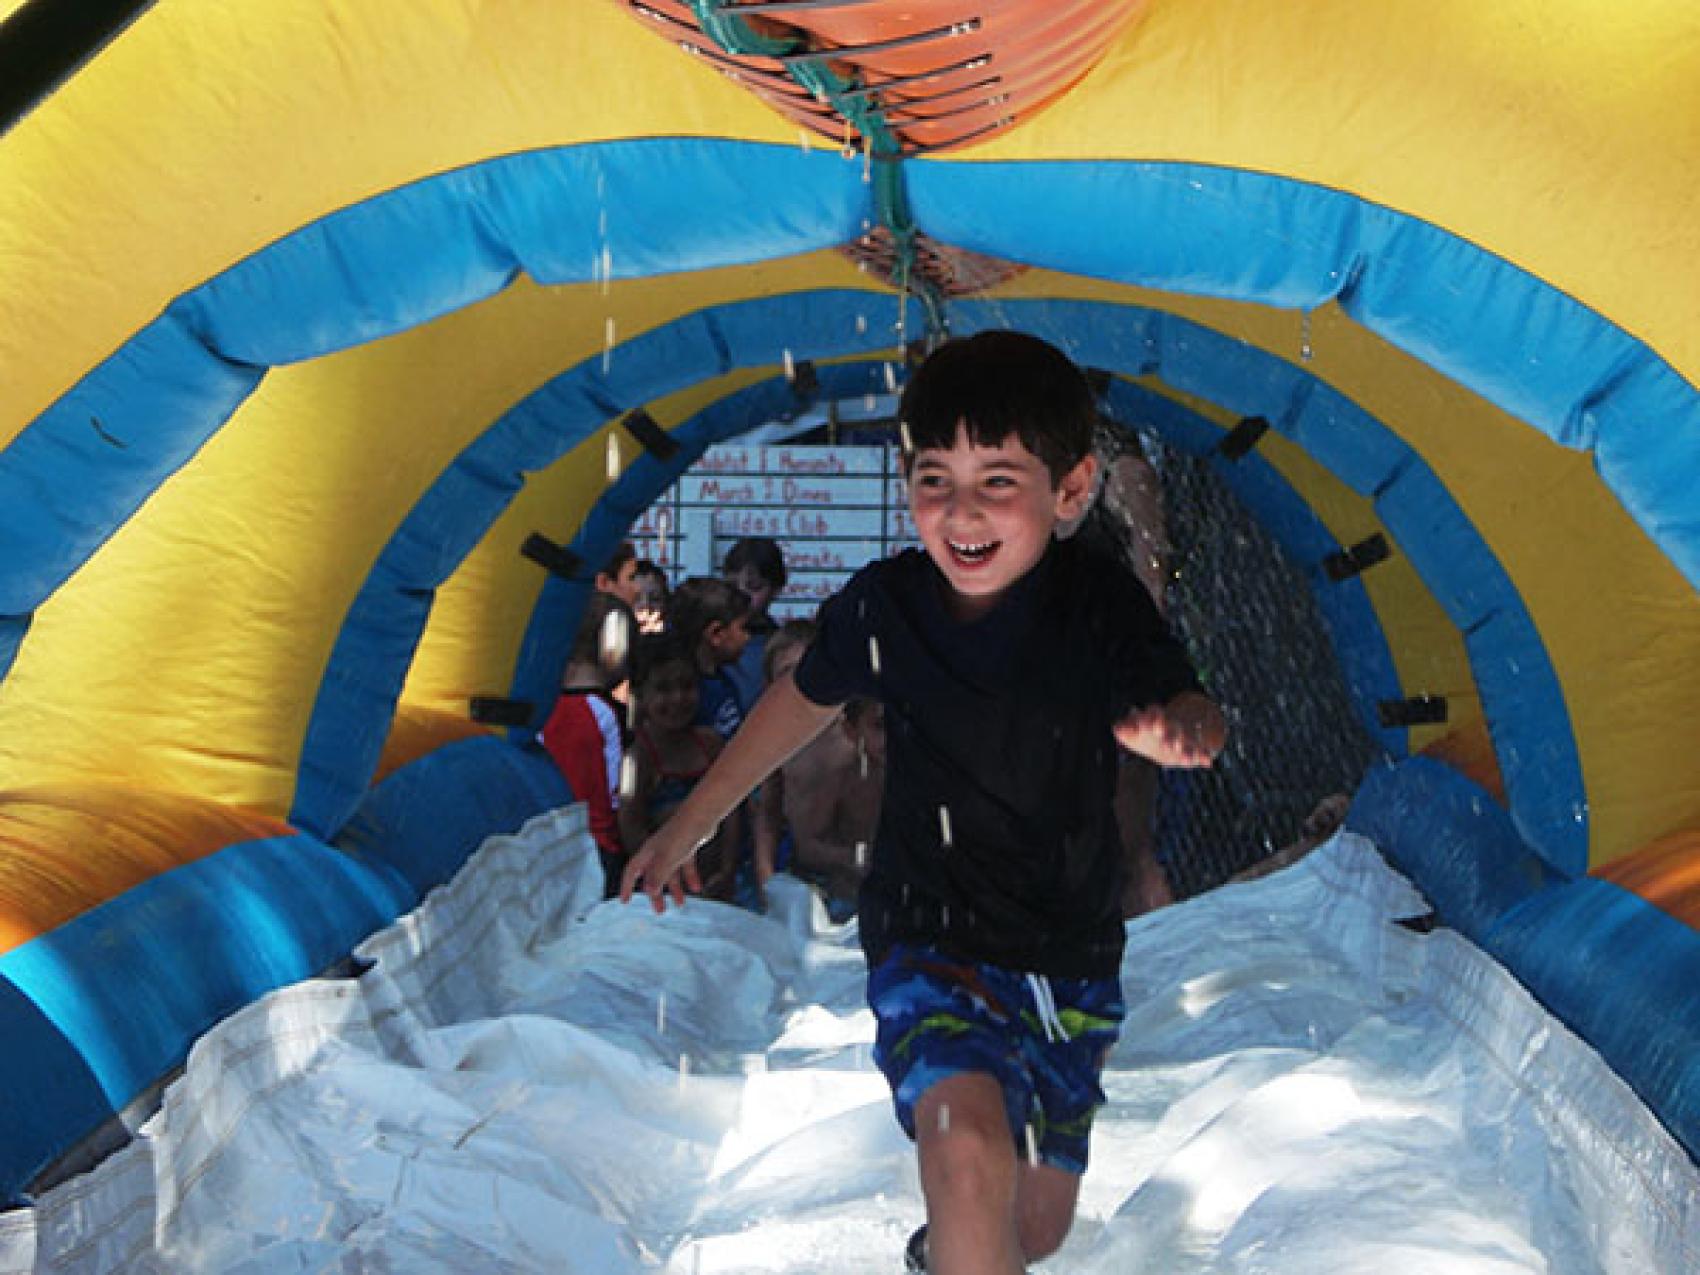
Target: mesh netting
1248,616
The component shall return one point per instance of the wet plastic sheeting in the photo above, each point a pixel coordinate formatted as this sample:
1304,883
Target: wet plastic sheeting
526,1082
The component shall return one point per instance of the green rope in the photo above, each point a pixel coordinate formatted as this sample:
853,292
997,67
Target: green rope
881,146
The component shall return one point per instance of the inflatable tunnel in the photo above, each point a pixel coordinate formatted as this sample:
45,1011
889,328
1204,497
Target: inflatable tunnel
340,343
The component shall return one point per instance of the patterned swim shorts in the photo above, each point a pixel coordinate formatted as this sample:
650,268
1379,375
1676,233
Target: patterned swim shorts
1043,1040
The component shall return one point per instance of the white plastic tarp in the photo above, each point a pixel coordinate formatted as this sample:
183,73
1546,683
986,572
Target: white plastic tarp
527,1080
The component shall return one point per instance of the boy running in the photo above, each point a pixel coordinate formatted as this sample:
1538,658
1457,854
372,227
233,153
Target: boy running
1011,665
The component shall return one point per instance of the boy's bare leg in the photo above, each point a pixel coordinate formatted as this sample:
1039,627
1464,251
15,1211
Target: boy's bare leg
1145,888
1045,1197
968,1173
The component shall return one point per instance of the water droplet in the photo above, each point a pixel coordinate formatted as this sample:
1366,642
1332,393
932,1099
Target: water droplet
608,336
613,457
861,324
1032,1147
661,1014
628,777
890,379
607,268
944,826
803,140
861,854
790,367
874,654
905,437
944,1117
615,638
1304,336
684,1070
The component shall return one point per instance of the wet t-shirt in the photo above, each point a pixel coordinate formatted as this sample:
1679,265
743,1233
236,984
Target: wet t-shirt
997,839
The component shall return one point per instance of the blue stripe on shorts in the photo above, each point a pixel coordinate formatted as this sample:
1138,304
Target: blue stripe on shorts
940,1016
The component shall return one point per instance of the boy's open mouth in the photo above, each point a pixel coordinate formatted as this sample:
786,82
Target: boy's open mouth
973,554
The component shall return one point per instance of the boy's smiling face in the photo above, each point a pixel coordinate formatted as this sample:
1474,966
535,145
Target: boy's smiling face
985,514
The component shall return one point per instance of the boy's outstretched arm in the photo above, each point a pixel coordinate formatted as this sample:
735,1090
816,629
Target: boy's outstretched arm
782,721
1188,731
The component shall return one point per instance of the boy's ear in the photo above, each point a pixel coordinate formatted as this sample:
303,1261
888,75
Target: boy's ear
1074,492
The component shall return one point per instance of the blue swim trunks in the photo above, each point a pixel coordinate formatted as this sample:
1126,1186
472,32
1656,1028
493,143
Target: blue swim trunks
1043,1040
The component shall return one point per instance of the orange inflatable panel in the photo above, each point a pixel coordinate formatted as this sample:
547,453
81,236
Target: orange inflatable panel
1666,874
1470,749
940,73
66,849
417,731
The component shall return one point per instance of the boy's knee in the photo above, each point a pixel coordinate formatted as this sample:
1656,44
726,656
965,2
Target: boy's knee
968,1154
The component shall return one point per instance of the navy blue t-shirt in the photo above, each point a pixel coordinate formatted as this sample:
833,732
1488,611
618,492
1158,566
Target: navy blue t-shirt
997,838
719,706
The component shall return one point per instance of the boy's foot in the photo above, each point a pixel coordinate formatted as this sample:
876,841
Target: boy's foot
915,1256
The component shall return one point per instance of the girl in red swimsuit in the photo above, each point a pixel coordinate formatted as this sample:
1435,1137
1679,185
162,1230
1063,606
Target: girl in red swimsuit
669,754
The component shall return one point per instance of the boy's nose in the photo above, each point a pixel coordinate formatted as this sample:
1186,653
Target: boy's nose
963,506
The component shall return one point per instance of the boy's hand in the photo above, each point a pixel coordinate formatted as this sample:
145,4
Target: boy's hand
1188,732
664,865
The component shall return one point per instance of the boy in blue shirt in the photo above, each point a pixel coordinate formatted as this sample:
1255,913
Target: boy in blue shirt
1011,666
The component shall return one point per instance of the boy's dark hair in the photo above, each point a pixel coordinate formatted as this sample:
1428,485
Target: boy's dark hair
1000,383
791,633
647,568
627,552
761,553
653,650
701,601
587,641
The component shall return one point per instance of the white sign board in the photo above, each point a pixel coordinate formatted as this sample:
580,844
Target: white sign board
830,509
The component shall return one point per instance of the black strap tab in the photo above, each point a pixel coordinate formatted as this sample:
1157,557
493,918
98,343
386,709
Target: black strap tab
43,43
1098,380
1242,438
493,710
654,440
805,381
1419,710
553,558
1358,559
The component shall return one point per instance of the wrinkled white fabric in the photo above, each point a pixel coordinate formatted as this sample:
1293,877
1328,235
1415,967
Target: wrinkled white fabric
531,1081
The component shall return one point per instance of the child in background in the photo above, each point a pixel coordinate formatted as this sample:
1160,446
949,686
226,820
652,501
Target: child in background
670,752
1012,666
815,816
757,566
649,583
708,619
585,733
619,574
1127,526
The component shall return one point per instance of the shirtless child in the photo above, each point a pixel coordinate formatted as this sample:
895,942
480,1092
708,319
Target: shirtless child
816,815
